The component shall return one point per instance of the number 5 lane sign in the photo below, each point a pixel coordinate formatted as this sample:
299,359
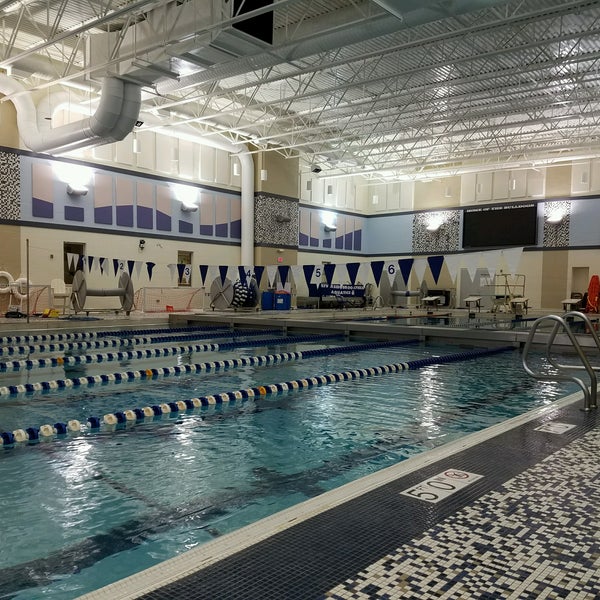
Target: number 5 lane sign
441,486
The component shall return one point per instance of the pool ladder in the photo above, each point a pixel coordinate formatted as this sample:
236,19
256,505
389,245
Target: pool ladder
563,323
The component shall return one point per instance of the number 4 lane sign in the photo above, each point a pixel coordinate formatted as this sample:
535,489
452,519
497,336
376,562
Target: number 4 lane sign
441,486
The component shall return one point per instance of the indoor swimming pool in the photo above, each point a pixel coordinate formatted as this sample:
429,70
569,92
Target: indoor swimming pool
243,437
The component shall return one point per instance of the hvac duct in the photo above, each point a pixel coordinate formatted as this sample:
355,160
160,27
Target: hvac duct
114,118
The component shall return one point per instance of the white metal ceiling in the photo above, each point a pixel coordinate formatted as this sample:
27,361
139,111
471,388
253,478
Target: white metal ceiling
381,87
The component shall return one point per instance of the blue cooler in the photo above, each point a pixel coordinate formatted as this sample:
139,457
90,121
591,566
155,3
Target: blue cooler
267,301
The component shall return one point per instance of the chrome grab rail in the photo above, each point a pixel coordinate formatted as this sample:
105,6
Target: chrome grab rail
589,394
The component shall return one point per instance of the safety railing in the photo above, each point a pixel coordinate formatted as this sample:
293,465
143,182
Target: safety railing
563,372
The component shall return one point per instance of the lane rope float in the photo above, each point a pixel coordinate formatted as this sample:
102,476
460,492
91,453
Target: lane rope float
190,368
129,417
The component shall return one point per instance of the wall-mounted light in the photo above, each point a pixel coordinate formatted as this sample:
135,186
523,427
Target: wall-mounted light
434,222
556,216
76,192
315,168
329,228
142,244
77,177
329,221
187,195
283,218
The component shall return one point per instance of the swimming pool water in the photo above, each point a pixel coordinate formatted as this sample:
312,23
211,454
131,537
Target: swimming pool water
86,510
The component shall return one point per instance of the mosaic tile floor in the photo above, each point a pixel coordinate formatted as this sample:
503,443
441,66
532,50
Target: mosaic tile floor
523,524
536,537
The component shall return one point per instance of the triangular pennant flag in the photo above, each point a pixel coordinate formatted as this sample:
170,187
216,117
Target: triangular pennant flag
130,265
512,258
242,274
258,273
102,264
308,273
435,265
271,275
203,271
377,270
453,261
406,265
391,268
138,268
419,266
296,274
213,273
329,271
80,262
284,271
71,256
223,273
173,269
471,261
352,269
90,263
180,271
149,267
116,263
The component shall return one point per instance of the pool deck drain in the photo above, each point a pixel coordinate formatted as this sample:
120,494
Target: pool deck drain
524,528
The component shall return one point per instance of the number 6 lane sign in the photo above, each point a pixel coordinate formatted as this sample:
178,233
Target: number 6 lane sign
441,486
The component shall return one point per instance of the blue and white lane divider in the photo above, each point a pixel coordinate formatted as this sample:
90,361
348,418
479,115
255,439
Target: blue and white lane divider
92,335
130,342
86,359
112,421
191,368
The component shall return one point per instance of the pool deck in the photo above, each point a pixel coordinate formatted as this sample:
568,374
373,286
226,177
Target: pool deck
509,512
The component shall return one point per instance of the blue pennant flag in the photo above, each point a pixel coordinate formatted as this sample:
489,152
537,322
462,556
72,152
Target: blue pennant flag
377,270
406,265
435,264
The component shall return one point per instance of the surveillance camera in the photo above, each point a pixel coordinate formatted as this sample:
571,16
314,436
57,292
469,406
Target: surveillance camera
142,243
315,169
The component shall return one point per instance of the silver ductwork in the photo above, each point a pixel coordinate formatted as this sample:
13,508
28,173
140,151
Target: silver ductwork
112,121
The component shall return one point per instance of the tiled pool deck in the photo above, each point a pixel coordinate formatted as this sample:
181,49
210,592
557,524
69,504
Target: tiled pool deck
521,520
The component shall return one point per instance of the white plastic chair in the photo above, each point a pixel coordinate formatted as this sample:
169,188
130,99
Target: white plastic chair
60,294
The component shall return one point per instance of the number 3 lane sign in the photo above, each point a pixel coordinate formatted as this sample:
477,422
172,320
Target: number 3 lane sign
441,486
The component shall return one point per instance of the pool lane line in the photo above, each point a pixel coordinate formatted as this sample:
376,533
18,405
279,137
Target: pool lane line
136,341
90,335
87,359
112,421
190,368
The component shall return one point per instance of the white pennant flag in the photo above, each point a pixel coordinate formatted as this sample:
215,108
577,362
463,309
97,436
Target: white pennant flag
271,274
173,269
298,276
419,267
392,268
471,262
453,262
138,267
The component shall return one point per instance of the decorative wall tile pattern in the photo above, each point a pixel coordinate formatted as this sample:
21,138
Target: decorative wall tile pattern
10,186
444,239
275,220
556,235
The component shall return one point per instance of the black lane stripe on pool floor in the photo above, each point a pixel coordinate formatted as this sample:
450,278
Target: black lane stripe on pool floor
308,559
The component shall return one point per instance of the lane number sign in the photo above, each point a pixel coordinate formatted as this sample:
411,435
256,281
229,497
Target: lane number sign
442,485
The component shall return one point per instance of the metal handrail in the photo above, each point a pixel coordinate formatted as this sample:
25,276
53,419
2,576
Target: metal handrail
589,393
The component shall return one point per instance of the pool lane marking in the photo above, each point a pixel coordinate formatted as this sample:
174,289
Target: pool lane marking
135,341
147,353
133,416
192,368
